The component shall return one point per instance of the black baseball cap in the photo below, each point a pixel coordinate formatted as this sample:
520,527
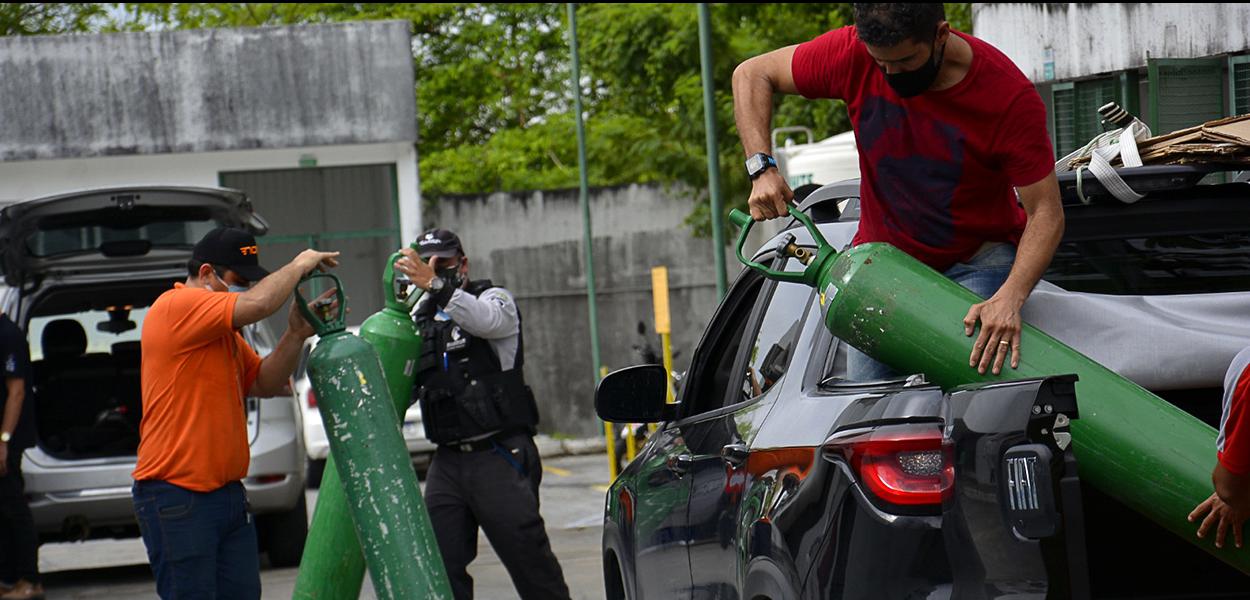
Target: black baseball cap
234,249
438,242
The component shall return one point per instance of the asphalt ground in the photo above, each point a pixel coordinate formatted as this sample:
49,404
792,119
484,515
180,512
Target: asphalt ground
572,506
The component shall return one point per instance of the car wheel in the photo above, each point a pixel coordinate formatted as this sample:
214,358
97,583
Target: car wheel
316,468
613,579
282,535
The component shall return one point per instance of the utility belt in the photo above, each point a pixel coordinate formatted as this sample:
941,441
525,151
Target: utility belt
482,445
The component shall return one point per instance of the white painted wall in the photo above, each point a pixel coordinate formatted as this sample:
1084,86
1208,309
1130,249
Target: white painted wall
23,180
1091,38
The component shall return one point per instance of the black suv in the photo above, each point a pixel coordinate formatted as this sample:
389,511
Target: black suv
773,477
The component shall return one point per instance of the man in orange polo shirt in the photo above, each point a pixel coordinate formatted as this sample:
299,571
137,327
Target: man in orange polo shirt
193,448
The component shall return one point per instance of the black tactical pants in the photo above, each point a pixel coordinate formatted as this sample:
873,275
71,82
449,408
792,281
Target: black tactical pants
19,544
495,489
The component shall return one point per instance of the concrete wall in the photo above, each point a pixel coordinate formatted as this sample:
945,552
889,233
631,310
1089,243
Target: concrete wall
1091,38
73,96
531,243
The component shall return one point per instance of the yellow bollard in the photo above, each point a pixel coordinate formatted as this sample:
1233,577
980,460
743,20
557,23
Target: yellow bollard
631,444
663,326
609,435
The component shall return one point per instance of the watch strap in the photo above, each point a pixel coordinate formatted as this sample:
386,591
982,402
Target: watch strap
443,295
767,162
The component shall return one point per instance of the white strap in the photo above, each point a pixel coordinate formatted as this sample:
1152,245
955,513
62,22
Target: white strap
1129,136
1100,161
1100,166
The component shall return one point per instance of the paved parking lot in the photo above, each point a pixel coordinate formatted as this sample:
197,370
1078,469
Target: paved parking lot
572,505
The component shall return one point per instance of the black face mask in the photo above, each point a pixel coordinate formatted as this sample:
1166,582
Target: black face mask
450,275
913,83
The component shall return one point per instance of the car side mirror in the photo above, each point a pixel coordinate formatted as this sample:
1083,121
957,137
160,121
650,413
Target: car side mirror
635,394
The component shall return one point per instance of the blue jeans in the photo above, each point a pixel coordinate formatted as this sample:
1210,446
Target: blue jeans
200,544
983,274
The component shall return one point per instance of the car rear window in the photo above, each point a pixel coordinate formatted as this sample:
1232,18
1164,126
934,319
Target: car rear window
56,239
95,323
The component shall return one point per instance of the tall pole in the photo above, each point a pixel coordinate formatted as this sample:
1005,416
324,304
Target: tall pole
584,193
713,154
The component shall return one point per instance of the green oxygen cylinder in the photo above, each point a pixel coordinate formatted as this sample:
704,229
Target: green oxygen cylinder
333,567
1148,454
372,463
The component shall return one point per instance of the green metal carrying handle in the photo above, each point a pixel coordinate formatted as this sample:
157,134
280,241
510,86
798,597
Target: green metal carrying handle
395,291
323,324
814,264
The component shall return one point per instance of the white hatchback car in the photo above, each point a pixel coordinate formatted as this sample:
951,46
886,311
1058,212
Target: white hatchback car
80,270
318,448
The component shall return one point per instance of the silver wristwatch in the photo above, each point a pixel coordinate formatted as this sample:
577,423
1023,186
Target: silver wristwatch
436,284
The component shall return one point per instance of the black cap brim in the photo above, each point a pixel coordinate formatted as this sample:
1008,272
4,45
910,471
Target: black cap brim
448,253
252,273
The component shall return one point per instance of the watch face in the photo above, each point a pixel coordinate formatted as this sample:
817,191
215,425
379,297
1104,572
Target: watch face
754,164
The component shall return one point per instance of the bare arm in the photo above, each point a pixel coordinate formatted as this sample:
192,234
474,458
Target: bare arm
1226,510
1232,488
267,297
1000,315
13,406
1041,237
276,369
12,412
755,81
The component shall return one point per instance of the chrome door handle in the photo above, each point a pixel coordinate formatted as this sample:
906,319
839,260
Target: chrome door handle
679,464
735,454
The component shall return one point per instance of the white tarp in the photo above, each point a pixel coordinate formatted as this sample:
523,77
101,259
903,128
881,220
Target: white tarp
1159,342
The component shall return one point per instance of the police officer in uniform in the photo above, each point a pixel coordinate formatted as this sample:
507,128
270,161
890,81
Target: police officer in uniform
476,407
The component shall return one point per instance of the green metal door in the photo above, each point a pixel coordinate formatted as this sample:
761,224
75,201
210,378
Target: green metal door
353,210
1185,92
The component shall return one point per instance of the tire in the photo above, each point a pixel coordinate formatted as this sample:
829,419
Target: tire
316,468
282,535
613,579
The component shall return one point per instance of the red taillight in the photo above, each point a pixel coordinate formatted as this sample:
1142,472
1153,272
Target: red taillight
906,465
312,398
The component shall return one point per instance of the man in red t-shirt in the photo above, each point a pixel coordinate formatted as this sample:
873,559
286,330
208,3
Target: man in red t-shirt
956,165
1229,506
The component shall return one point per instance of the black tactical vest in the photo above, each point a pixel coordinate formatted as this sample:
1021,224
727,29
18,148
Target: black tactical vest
463,390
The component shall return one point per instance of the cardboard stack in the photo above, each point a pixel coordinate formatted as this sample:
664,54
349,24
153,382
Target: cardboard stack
1224,141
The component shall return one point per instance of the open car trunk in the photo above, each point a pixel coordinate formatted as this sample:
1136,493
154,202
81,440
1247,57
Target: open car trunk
88,264
85,360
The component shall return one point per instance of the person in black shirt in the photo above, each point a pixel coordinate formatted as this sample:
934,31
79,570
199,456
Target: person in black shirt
19,554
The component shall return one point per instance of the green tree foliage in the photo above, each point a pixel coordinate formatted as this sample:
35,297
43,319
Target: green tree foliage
28,18
493,92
